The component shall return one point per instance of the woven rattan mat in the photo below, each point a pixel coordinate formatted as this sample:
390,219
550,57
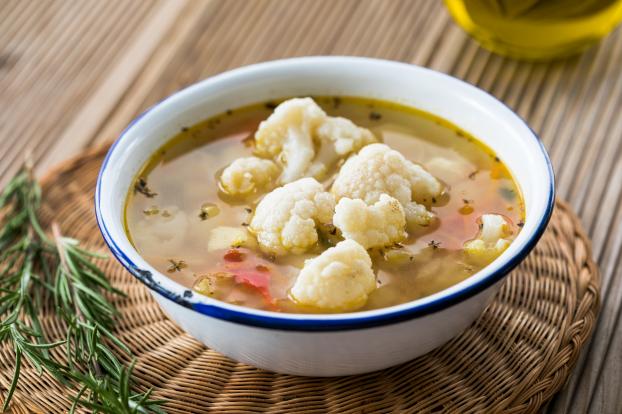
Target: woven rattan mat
512,359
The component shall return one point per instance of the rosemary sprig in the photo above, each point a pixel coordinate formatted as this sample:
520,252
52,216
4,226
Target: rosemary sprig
114,398
38,271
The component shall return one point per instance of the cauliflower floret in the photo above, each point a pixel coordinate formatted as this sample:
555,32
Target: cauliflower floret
418,214
338,138
491,241
285,219
247,174
340,279
380,224
296,128
287,136
378,169
345,136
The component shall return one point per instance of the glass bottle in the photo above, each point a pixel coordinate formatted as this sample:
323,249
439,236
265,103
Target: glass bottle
536,29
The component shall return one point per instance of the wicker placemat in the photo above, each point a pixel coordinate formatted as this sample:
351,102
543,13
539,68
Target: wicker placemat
513,358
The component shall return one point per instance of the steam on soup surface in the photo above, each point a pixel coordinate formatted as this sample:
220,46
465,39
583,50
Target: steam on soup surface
183,221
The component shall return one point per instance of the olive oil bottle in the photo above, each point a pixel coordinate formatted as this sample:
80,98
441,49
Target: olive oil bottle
536,29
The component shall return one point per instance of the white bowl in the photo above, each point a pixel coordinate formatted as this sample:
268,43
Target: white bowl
336,344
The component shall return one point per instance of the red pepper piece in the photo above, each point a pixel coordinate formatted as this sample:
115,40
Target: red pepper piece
234,255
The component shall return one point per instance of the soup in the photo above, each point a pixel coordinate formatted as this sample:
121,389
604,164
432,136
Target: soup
183,218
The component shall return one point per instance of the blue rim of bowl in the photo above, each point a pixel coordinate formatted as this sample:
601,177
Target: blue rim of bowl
347,322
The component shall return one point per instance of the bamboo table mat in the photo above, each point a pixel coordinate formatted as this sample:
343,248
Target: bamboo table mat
75,73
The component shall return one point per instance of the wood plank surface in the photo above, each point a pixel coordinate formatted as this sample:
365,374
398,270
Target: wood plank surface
73,73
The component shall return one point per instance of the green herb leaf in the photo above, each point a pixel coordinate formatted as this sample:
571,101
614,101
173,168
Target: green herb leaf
507,193
34,266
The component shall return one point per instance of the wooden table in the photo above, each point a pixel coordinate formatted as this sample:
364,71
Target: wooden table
74,73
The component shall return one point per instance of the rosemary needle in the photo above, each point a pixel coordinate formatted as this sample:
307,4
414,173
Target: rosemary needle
36,269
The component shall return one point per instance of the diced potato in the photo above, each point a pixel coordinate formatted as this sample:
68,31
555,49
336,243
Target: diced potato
216,284
225,237
398,257
449,170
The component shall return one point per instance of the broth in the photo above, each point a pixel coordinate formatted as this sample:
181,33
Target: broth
167,225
